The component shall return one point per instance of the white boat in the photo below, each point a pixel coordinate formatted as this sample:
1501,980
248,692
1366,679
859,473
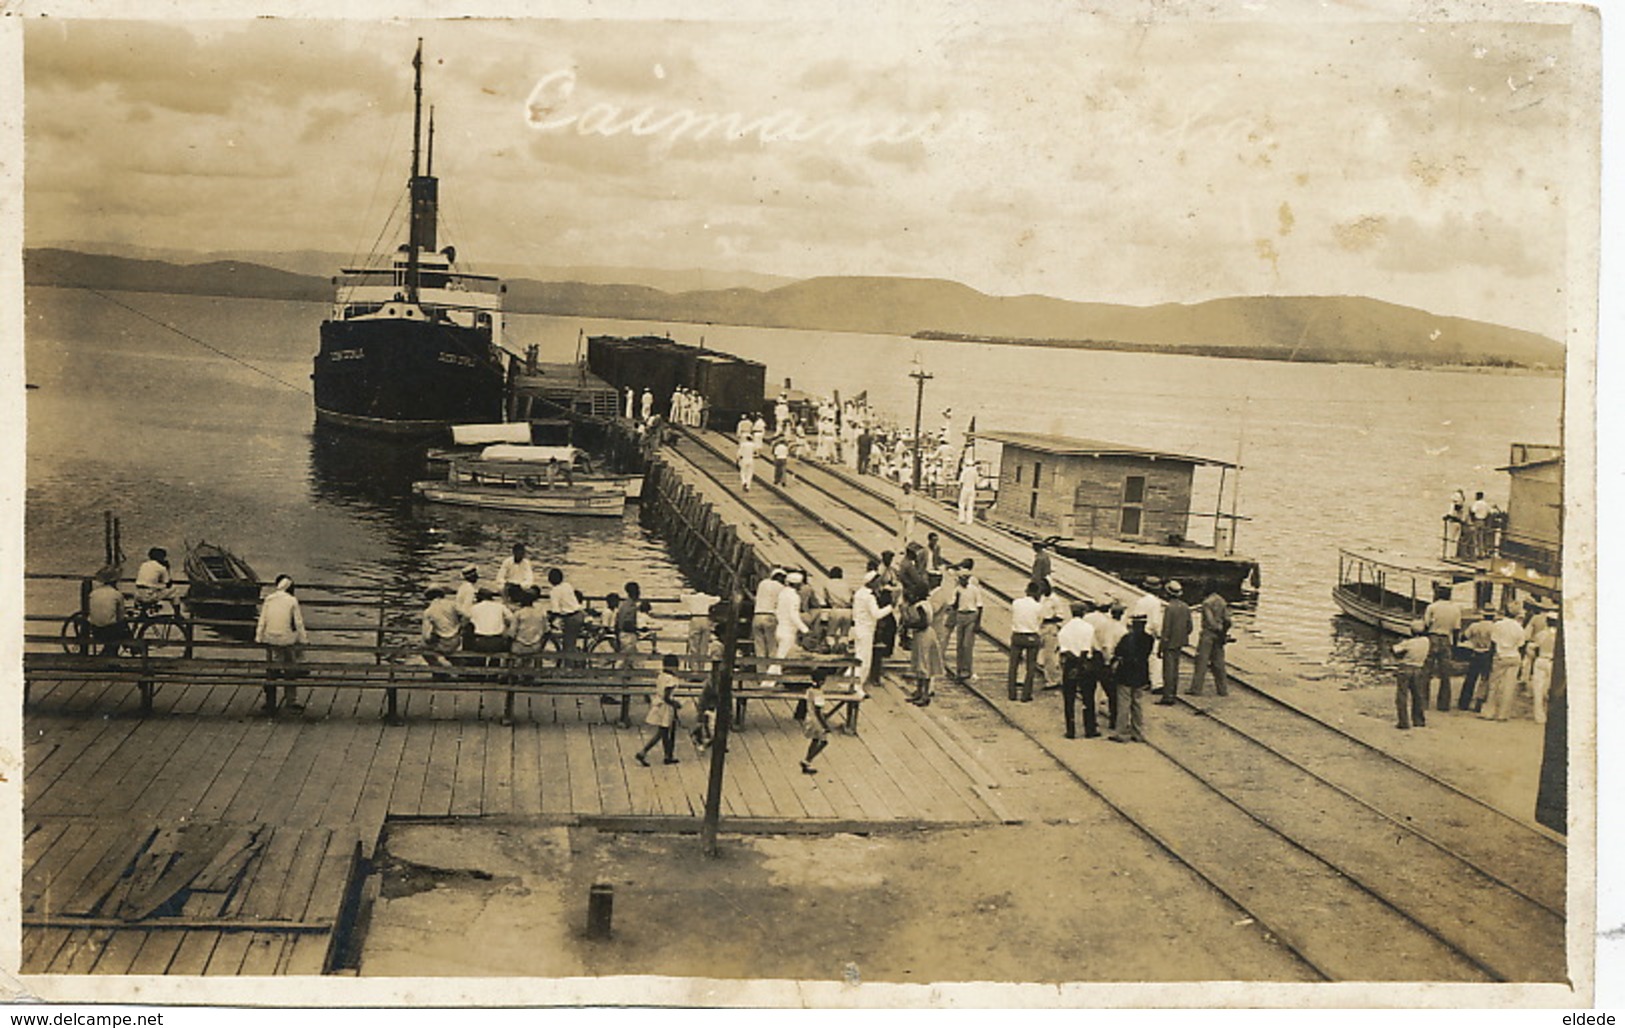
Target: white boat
568,464
1390,591
593,500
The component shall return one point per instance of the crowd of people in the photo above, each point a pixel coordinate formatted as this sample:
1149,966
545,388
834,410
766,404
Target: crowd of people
852,433
1506,658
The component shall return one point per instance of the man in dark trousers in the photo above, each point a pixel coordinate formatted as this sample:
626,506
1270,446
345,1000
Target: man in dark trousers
1210,646
1131,670
1176,632
1077,645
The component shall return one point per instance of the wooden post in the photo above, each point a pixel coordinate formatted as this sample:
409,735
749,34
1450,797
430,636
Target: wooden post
719,744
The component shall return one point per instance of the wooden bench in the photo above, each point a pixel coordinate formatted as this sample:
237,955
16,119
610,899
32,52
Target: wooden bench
407,670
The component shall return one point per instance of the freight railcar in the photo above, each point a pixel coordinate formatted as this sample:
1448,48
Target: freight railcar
731,385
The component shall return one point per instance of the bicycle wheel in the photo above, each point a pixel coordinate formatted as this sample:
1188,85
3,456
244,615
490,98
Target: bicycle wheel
169,635
76,634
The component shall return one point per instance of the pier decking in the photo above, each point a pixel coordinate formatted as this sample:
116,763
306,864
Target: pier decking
206,838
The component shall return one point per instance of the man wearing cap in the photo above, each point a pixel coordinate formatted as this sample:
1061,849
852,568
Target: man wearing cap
281,630
1025,622
1052,613
1077,645
1210,644
1171,639
1443,620
788,624
1131,671
467,592
493,624
866,615
967,620
1411,687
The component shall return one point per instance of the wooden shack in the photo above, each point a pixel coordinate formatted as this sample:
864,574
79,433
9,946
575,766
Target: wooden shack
1530,544
1124,509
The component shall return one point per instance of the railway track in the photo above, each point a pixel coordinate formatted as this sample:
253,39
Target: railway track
1363,865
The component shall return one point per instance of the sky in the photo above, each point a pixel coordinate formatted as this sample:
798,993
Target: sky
1429,164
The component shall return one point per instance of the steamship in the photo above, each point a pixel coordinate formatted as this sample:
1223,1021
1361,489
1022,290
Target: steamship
413,347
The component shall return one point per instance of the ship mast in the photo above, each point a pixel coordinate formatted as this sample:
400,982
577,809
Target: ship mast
424,188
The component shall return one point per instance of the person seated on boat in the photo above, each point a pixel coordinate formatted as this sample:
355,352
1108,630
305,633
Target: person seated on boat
442,627
493,624
515,575
557,470
153,584
105,611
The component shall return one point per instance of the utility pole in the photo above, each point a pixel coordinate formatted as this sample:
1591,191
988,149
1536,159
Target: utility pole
920,377
725,702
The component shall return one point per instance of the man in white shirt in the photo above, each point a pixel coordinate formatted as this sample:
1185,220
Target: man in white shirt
515,576
788,624
1507,636
567,608
1107,621
967,492
1026,616
1150,605
1442,619
866,615
1541,649
747,461
908,507
1053,611
493,624
281,630
1411,688
967,621
764,622
442,627
1077,643
152,580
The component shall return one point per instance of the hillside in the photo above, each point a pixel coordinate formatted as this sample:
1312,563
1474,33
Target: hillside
1336,328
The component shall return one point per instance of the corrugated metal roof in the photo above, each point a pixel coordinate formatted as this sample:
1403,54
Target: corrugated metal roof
1073,447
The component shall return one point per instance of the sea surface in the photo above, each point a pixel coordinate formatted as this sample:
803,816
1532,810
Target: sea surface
146,407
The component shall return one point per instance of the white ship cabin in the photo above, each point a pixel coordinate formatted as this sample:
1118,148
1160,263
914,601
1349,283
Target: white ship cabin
444,293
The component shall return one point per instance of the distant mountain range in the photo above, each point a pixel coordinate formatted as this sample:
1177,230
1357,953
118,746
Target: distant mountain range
1308,328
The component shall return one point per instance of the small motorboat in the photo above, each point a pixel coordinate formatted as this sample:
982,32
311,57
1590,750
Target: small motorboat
524,485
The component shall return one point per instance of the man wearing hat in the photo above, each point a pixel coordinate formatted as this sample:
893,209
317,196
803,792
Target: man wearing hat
1131,672
1210,645
1541,649
1077,645
1150,605
968,605
152,580
1411,685
1041,562
788,625
1171,639
105,612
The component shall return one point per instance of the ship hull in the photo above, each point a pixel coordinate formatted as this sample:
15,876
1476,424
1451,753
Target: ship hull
405,377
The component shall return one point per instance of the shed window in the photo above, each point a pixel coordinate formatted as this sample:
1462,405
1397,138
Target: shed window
1133,505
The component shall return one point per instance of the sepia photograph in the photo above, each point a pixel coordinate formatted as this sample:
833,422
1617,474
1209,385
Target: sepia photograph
903,505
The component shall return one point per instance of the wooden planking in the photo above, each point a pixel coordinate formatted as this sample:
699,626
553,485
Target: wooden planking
441,775
265,949
256,897
310,952
527,769
120,952
250,798
385,773
365,749
497,795
585,795
213,761
769,768
555,770
67,866
613,787
56,791
120,857
787,747
468,783
406,796
40,947
39,842
911,767
289,779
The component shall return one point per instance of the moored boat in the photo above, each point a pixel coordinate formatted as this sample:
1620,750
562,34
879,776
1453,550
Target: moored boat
1390,591
221,585
557,499
414,346
541,488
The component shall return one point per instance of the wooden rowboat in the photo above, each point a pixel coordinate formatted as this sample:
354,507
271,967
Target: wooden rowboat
221,585
599,499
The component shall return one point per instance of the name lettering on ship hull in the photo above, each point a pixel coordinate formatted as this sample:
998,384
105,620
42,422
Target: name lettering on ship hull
347,355
458,359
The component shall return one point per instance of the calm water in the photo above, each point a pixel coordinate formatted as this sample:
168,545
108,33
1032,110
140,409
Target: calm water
183,443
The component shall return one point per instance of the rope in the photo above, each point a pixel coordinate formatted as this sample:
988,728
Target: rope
207,346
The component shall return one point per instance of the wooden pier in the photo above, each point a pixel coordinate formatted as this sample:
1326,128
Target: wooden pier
206,838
